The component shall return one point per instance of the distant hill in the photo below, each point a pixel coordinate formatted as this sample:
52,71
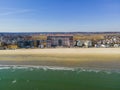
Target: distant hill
30,33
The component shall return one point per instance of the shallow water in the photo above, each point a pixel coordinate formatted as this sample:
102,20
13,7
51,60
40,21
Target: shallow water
57,78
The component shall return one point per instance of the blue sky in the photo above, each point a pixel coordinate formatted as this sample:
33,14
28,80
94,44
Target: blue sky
59,15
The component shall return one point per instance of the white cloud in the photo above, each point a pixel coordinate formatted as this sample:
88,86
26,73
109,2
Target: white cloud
12,11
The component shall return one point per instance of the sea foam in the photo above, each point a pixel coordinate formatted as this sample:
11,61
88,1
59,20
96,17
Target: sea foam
45,68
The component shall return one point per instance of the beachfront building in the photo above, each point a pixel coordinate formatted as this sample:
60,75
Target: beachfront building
40,41
59,40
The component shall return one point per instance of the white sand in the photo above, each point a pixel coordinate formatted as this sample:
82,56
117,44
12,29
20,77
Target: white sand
93,57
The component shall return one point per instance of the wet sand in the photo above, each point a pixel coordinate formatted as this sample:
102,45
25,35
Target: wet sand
72,57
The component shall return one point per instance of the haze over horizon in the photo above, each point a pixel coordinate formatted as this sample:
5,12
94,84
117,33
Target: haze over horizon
59,15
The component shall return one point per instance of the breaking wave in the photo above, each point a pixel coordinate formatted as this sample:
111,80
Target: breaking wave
45,68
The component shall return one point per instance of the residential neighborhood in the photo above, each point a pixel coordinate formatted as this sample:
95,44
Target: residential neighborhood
59,40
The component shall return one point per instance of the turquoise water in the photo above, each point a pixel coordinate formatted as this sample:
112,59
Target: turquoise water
57,78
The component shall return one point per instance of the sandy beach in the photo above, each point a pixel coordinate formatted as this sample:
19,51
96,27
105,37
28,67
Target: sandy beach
79,57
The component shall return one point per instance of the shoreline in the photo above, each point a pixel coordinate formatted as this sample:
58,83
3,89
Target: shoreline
59,68
68,57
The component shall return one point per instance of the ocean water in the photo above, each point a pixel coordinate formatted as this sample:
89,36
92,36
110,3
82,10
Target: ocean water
57,78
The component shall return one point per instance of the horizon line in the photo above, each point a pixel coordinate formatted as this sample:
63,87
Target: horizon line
68,32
